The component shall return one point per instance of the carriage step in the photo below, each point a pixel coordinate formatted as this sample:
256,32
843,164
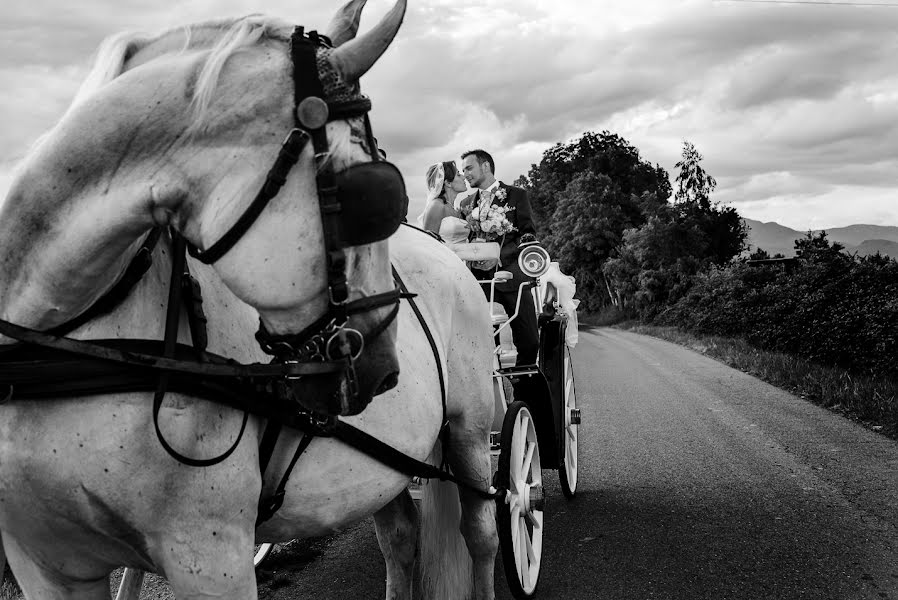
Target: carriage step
518,370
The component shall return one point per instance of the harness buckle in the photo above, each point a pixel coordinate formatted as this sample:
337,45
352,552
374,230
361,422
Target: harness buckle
292,377
294,142
342,292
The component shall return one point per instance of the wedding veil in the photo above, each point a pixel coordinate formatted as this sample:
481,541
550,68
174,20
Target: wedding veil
436,177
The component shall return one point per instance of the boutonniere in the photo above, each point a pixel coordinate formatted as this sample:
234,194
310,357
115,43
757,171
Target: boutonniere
500,194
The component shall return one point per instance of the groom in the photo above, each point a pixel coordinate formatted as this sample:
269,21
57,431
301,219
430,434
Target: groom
479,170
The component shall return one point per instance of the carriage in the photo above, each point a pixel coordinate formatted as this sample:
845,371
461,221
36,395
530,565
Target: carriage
537,418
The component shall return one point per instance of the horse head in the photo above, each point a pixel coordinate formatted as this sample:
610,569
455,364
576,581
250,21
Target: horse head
181,130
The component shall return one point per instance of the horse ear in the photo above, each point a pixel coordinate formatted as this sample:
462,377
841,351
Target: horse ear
354,58
345,23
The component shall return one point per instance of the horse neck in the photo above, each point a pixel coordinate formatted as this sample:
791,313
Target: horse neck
54,264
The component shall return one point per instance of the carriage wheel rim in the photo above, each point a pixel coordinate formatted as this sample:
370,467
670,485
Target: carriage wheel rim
570,429
526,520
261,553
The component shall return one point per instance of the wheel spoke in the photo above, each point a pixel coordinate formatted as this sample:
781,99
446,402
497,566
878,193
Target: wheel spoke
515,518
519,443
523,556
528,544
528,460
534,522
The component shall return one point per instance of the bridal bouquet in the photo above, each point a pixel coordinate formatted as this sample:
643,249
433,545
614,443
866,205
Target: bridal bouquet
489,223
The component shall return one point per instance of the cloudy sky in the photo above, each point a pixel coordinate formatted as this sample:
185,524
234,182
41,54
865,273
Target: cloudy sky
794,107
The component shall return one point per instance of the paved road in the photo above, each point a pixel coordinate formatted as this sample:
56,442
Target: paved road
697,481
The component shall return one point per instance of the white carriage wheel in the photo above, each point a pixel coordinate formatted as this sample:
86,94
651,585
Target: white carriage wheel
570,426
260,553
520,517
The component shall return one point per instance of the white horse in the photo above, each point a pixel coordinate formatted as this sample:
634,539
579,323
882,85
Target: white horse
179,130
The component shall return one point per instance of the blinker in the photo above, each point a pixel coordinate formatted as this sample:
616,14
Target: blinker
373,201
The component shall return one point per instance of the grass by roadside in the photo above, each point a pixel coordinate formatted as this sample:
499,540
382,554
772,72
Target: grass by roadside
873,402
8,588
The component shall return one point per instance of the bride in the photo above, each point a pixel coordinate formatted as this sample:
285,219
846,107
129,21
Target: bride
444,183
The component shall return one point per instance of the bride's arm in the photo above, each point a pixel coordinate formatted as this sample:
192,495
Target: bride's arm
433,216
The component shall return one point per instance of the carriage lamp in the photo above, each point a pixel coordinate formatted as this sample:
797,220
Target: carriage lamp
534,261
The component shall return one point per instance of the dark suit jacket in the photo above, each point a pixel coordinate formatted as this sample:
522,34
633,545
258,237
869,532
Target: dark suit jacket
521,217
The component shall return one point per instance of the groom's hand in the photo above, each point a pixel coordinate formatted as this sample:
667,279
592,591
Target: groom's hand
485,265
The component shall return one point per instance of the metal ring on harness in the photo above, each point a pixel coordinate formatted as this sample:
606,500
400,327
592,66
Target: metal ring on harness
340,344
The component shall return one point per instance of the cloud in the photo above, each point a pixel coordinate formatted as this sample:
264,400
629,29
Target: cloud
46,92
792,106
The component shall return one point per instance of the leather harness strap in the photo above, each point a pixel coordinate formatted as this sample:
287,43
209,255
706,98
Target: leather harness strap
269,506
140,264
368,444
287,157
172,318
103,350
444,424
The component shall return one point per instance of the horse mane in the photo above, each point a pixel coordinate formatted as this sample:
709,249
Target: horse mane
224,37
117,50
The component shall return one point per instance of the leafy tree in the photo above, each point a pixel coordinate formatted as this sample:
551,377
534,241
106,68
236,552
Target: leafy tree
597,153
694,185
816,248
658,262
584,195
725,230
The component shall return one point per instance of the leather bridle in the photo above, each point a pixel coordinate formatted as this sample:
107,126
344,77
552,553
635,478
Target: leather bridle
329,338
359,205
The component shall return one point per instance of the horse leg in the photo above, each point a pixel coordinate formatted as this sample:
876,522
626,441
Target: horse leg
37,581
396,525
469,458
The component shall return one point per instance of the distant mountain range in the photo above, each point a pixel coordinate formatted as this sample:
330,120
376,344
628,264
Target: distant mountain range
860,239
